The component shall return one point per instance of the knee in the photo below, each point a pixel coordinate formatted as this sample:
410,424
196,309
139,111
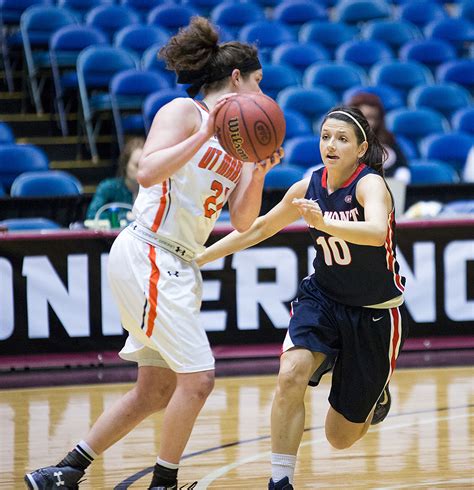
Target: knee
339,440
291,379
154,398
201,385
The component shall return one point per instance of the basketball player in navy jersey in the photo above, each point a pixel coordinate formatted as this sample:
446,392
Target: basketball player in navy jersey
349,313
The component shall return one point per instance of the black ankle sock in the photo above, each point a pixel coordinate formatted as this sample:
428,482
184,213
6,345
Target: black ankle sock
77,459
163,476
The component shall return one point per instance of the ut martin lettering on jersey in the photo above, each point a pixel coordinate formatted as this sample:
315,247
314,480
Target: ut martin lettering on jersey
371,272
186,206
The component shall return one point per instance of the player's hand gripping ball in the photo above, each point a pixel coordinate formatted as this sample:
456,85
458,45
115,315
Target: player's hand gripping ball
250,126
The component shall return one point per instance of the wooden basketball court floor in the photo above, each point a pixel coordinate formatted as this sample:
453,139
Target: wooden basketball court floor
426,442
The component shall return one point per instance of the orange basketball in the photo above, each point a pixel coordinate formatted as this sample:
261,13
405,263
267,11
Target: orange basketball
250,126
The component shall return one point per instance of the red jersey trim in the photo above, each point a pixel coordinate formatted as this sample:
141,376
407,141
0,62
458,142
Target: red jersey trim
348,182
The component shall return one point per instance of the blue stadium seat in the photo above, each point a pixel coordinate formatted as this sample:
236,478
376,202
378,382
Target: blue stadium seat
430,52
364,53
394,33
415,124
204,7
154,102
409,149
64,48
12,10
267,35
10,38
310,102
445,98
463,120
451,148
456,31
390,97
458,71
6,134
232,16
283,176
27,224
421,13
138,38
150,61
96,65
298,55
278,77
356,11
38,24
267,3
171,16
302,151
111,18
128,91
401,75
338,76
81,7
295,13
429,171
141,7
296,124
466,10
45,184
16,159
327,33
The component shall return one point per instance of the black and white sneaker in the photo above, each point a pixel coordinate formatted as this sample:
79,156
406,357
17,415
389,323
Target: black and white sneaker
382,407
54,477
283,484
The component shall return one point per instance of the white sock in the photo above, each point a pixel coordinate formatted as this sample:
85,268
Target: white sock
283,465
171,466
85,447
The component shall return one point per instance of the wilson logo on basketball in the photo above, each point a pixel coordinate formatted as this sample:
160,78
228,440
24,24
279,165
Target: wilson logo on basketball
237,140
262,132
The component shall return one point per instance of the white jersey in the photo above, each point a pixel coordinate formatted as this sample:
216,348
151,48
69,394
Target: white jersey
185,207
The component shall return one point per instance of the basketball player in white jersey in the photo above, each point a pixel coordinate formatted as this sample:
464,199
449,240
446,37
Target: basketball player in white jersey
185,179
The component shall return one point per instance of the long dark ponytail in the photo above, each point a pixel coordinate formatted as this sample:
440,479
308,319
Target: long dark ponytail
376,154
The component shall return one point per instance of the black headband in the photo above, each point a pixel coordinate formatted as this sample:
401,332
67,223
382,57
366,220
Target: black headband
197,78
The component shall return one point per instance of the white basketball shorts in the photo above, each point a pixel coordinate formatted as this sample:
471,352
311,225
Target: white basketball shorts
159,299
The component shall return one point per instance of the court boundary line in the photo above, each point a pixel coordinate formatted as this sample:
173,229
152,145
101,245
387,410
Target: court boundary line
125,484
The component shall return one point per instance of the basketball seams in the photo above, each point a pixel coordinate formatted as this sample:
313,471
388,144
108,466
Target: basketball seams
249,97
270,121
242,120
244,123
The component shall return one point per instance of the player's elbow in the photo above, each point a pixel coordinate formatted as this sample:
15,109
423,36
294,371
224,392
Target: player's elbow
241,225
144,174
143,179
379,237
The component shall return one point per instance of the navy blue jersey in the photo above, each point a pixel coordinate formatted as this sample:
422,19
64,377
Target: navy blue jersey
356,275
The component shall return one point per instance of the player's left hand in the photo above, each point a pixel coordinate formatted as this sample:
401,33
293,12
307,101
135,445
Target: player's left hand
264,166
310,212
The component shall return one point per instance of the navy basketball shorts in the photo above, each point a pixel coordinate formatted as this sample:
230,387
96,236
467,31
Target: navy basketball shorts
366,342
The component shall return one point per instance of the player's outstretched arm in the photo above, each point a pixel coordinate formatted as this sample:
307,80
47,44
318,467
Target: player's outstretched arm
246,199
283,214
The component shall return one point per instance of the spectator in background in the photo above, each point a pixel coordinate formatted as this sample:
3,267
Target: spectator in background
371,106
124,187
